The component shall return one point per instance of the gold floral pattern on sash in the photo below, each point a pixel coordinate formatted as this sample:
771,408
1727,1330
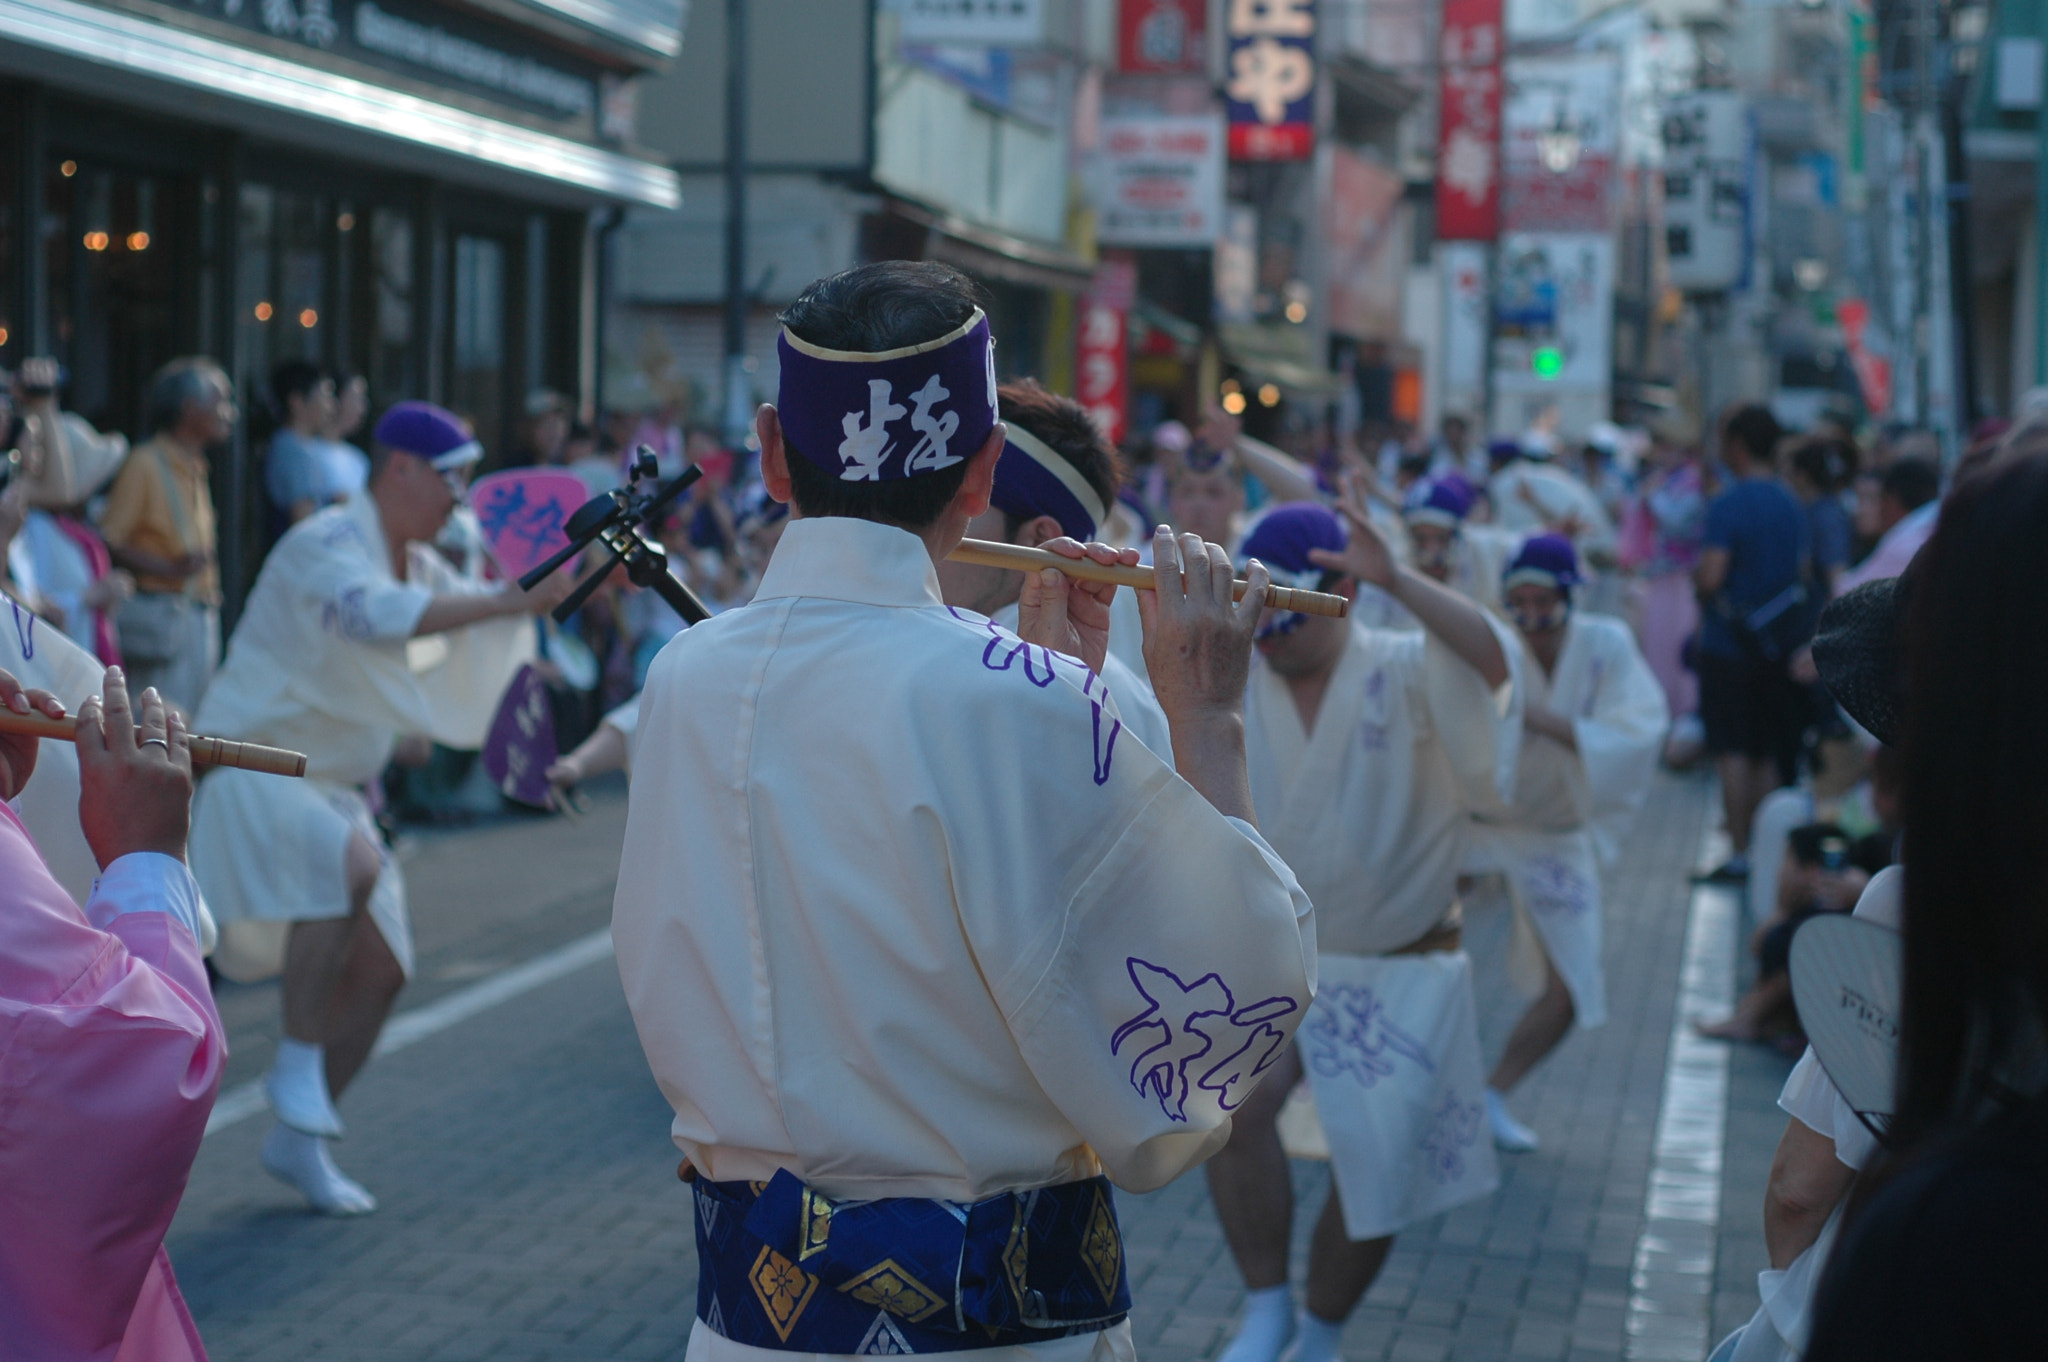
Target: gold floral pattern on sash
886,1286
1102,1249
816,1227
783,1288
1016,1253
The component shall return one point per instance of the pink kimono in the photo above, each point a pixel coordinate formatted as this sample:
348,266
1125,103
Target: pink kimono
110,1056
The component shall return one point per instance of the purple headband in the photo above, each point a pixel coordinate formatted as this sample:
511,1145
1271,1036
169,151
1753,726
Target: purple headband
1282,537
894,414
1444,501
1544,560
1034,479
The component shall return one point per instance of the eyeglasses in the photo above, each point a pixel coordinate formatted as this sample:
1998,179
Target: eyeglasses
457,482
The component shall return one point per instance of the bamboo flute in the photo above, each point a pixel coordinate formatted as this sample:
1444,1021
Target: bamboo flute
1018,558
249,756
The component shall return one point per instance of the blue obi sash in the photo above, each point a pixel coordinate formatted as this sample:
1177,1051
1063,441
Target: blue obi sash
779,1266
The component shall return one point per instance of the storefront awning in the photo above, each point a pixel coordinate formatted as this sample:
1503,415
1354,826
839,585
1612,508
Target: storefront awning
1279,353
128,58
994,254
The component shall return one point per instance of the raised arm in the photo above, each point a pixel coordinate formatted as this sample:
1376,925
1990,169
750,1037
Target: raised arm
1454,620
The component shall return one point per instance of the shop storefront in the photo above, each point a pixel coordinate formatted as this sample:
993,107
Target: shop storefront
403,190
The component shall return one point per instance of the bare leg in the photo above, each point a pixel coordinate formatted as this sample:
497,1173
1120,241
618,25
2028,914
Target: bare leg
1738,805
1546,1023
1340,1269
362,1000
1754,1013
1248,1180
316,952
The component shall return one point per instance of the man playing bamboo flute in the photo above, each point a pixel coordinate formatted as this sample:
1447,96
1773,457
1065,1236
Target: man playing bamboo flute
1056,480
356,633
1366,748
921,952
1592,725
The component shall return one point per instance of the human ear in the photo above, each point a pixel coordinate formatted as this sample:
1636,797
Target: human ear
973,497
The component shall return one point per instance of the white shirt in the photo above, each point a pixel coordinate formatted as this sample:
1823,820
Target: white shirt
1371,808
888,895
323,660
1603,685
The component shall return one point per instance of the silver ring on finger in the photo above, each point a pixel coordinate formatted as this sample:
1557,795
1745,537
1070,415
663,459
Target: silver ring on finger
164,743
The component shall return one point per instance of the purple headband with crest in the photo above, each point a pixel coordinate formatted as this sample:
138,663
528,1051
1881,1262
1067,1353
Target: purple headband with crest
1444,501
892,414
1544,560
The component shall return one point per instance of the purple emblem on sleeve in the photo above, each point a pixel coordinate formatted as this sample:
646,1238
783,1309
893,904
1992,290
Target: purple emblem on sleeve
1185,1023
1554,888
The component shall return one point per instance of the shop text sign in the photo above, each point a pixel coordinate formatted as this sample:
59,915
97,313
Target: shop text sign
1161,180
1270,81
1162,37
997,23
1468,136
1101,354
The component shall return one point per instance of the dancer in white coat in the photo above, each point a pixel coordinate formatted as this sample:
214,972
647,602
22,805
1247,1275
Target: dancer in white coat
1367,749
1442,543
1593,723
922,952
355,634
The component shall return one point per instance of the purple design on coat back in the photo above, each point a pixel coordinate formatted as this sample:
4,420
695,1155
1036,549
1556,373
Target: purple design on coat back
1041,667
1349,1032
1186,1023
1554,888
25,631
1453,1126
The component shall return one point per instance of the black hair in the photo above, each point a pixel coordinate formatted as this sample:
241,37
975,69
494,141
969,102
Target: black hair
884,306
1755,429
1065,427
1975,802
1911,482
182,381
1829,464
296,378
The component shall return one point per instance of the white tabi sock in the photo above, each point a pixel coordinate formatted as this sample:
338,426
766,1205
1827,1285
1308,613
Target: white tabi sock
1316,1340
1508,1133
302,1161
297,1088
1267,1329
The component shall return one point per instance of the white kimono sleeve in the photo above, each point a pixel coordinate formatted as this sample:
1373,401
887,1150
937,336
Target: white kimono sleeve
1479,728
1185,961
1619,740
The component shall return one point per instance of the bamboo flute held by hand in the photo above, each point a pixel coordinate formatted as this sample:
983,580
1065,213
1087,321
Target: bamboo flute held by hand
1018,558
249,756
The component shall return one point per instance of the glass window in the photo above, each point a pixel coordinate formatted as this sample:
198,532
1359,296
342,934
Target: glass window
388,362
476,387
110,262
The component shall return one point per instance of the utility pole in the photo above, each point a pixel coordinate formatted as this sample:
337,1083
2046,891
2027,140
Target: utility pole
738,408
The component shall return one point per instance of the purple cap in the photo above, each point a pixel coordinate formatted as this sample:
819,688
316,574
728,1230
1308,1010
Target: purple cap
890,414
1544,560
1282,537
428,432
1444,501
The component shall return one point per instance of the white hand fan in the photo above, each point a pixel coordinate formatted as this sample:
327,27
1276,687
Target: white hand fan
1846,981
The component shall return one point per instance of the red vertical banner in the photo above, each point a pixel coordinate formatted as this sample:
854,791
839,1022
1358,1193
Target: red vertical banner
1162,37
1468,172
1101,354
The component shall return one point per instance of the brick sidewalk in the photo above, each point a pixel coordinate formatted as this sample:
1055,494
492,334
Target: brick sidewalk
531,1208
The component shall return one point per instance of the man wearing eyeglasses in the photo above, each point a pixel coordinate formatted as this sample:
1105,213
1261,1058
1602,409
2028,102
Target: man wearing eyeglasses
356,634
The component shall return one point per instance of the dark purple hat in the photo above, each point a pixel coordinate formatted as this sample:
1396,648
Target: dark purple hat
894,413
1444,501
1544,560
428,432
1034,479
1282,537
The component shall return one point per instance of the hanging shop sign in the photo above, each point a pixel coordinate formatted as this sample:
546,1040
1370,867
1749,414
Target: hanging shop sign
1270,80
1161,180
1162,37
1560,143
1468,131
1102,355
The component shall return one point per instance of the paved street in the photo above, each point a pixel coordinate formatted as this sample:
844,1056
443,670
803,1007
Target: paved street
530,1207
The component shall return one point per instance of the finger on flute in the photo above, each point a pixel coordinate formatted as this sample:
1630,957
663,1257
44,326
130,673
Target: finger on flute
1021,558
249,756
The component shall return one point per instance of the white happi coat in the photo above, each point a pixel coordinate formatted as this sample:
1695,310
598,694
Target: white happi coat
1372,811
1136,705
1571,809
323,662
896,913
